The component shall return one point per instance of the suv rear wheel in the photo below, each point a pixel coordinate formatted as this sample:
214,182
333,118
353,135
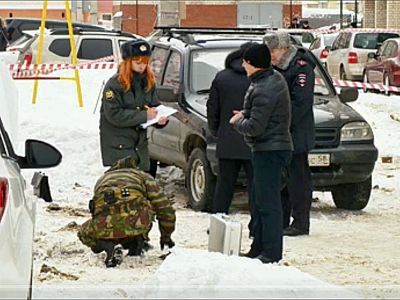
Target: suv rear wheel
352,196
342,74
200,180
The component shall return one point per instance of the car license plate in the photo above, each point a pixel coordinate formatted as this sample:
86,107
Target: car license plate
319,160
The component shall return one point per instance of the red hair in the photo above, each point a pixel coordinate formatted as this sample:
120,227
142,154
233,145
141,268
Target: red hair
125,73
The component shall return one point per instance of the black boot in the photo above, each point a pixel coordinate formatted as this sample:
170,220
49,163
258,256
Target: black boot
113,251
265,259
136,247
294,231
253,253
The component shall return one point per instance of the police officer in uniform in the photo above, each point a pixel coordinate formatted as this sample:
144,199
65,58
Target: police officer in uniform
126,200
129,100
298,69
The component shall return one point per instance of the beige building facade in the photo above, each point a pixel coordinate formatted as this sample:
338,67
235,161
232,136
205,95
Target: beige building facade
381,14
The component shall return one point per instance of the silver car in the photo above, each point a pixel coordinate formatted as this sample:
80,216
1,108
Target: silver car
322,44
349,53
17,213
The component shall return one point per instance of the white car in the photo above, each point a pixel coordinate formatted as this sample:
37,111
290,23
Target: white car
322,44
13,53
17,213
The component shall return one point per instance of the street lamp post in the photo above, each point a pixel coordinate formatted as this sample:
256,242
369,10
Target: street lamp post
356,12
341,14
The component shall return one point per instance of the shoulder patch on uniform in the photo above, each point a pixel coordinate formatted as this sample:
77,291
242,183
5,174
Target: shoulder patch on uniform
109,95
302,79
301,62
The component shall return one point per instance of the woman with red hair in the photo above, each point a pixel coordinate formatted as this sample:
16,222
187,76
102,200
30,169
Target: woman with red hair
129,100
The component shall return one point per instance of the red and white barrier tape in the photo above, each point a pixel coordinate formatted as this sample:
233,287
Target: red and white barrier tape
360,85
362,30
18,70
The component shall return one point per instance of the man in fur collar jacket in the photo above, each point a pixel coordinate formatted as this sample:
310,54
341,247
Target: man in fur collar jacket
298,69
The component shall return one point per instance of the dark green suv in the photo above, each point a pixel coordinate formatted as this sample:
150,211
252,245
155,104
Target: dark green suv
185,62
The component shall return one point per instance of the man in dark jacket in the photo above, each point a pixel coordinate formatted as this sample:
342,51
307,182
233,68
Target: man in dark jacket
227,94
264,123
298,70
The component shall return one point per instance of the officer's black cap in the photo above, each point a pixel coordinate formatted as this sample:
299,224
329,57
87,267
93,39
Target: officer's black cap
133,48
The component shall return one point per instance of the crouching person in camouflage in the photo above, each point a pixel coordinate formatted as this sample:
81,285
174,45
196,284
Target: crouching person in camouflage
125,203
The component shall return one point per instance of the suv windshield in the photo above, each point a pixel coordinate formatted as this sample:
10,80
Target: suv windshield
372,40
205,64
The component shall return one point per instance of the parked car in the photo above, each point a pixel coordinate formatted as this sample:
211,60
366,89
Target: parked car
384,66
185,64
348,55
304,36
90,44
12,55
322,44
16,26
17,213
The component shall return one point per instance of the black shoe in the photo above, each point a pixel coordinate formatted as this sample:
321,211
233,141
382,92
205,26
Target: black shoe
136,247
251,254
114,256
294,231
265,260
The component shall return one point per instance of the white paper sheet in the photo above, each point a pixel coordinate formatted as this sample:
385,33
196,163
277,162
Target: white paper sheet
162,111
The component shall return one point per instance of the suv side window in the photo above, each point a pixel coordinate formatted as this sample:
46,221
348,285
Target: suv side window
388,50
335,44
158,61
172,72
395,50
60,47
316,44
95,48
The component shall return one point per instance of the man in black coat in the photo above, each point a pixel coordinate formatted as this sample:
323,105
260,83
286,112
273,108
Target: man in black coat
227,94
298,70
264,122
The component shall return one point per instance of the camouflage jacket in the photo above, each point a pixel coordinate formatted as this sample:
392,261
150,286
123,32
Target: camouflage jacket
124,205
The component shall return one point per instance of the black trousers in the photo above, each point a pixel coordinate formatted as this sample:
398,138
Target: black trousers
228,173
267,216
297,195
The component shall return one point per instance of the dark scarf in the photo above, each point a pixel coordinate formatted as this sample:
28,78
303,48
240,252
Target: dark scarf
139,81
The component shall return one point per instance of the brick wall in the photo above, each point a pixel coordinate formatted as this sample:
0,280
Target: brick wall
393,14
296,12
369,13
380,14
196,15
56,14
147,18
210,15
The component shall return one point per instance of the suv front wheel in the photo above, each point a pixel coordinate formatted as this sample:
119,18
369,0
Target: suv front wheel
352,196
200,180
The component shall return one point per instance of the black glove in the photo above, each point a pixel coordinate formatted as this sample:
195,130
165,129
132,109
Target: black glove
170,243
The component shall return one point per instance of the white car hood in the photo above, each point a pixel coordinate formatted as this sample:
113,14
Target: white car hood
9,102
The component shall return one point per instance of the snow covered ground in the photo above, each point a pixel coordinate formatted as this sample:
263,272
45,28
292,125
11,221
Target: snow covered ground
356,250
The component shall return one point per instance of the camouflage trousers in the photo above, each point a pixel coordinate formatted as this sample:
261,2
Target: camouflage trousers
117,227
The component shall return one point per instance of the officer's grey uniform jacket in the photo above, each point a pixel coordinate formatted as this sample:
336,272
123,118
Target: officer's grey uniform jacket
298,70
266,112
121,114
